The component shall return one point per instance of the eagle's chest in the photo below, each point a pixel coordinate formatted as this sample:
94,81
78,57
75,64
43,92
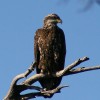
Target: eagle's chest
47,40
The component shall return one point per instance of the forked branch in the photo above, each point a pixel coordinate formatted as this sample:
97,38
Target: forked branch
16,89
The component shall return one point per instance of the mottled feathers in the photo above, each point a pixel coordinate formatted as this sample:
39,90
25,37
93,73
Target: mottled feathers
50,50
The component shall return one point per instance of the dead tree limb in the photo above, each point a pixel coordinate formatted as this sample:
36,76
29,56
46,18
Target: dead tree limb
16,89
45,94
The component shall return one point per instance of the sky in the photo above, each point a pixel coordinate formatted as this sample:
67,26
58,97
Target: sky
19,19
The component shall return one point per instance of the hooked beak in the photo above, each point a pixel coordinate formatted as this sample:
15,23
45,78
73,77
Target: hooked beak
59,21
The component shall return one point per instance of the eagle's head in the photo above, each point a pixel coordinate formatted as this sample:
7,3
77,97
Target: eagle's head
52,20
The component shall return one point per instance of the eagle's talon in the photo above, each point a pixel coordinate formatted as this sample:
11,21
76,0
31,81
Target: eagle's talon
43,90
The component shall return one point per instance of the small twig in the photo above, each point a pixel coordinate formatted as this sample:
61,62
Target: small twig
71,66
56,90
44,93
23,75
30,69
82,69
77,62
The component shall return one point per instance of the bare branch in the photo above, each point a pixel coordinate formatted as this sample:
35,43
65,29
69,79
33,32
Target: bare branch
15,89
71,66
30,69
61,73
43,93
82,69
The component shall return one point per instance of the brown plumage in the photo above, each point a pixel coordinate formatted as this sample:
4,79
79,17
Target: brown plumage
50,50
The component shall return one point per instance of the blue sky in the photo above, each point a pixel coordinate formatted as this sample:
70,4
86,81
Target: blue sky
21,18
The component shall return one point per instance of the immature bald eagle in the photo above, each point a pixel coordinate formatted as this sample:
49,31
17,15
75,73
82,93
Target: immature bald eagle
50,50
